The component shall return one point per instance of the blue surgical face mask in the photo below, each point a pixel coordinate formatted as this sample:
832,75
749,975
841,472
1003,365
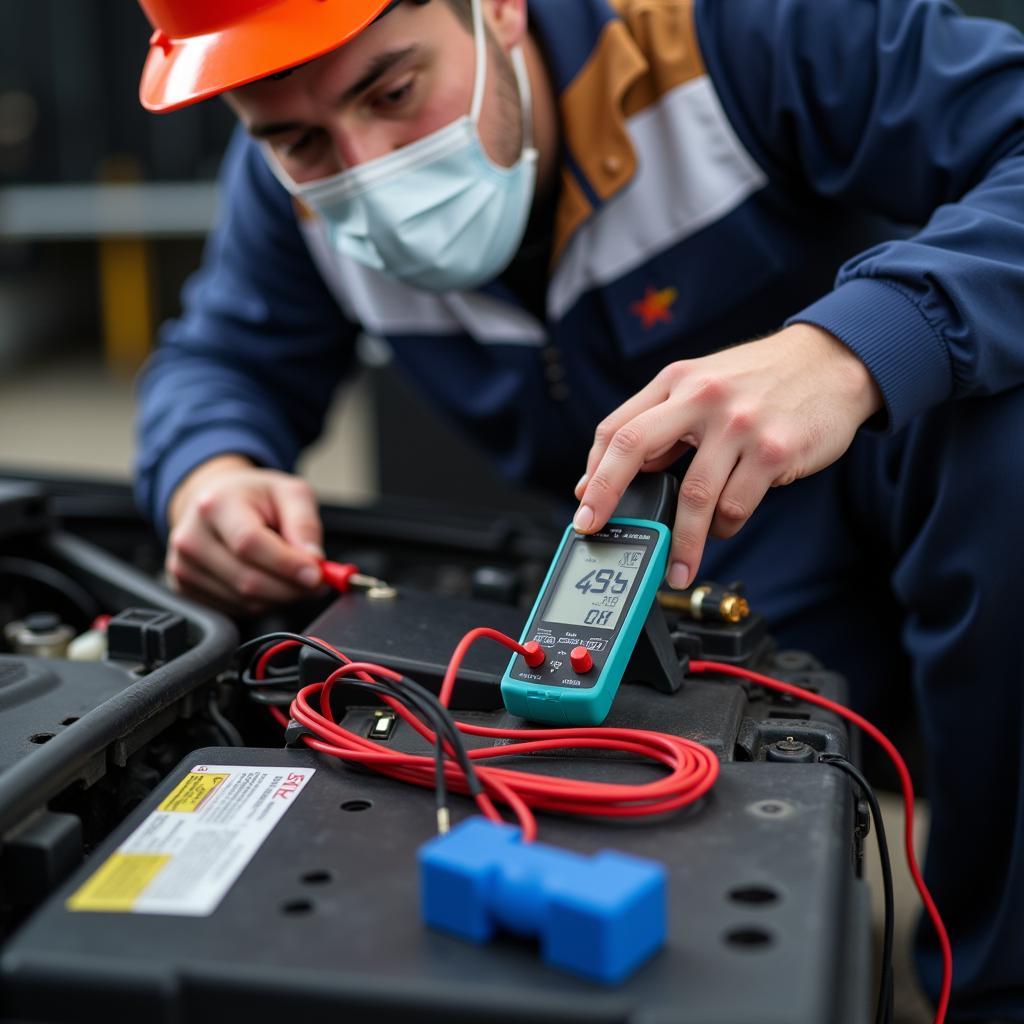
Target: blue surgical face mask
438,213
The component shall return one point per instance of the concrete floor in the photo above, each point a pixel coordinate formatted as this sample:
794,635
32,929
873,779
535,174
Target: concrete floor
71,416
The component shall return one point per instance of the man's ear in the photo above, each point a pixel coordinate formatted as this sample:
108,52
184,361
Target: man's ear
507,20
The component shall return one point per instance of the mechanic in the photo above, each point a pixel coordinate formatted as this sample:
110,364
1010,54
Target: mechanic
568,231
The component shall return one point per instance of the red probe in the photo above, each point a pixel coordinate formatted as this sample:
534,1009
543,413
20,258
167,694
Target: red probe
343,575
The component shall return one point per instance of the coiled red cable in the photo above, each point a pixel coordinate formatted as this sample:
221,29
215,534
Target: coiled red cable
692,767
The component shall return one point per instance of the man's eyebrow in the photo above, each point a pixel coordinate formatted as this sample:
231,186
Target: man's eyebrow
381,64
262,131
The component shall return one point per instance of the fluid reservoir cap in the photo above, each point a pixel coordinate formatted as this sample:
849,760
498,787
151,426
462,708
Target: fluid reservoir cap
41,622
40,634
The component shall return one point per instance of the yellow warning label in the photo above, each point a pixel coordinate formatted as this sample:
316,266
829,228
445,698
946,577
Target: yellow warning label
190,793
186,854
120,881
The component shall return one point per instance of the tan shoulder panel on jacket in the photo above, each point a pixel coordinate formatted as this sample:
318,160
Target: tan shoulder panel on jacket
666,33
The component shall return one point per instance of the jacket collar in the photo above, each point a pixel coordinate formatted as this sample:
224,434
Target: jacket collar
594,62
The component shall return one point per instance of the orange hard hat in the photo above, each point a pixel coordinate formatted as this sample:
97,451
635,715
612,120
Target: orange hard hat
200,48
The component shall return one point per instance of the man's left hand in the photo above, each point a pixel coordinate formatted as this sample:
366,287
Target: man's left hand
759,415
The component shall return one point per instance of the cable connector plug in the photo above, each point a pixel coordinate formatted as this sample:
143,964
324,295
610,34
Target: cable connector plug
533,654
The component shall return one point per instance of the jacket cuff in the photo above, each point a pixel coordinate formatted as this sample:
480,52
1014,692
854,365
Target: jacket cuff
195,450
894,340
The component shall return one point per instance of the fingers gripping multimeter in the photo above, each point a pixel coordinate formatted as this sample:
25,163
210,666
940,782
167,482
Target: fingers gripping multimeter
591,610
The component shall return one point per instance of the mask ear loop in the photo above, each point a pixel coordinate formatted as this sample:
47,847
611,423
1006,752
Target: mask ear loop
480,74
480,78
525,96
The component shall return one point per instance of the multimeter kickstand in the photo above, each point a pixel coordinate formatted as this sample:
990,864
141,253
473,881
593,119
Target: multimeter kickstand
654,661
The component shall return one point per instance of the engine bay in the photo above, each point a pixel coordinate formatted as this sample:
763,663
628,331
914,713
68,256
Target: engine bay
116,695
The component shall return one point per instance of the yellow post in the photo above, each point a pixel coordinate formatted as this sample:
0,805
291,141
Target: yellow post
126,288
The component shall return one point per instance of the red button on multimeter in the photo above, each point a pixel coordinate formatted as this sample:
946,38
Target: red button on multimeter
581,660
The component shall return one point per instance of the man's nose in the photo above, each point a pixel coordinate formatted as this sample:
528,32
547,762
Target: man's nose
355,145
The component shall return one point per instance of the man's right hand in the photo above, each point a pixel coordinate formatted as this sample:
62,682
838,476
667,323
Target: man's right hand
243,538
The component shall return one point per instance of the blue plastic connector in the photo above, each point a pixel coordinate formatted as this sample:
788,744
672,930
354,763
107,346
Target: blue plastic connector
600,917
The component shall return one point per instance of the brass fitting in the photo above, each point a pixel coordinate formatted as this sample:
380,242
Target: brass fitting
707,602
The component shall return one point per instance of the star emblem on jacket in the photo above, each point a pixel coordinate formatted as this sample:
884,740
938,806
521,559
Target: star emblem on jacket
655,307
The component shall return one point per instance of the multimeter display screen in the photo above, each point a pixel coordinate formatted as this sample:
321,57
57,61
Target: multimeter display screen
594,587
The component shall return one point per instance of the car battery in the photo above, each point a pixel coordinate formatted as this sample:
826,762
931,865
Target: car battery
308,903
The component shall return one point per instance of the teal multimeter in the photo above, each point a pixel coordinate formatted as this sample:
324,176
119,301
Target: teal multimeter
589,614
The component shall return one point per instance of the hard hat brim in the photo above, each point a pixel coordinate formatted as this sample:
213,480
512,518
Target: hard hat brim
179,72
